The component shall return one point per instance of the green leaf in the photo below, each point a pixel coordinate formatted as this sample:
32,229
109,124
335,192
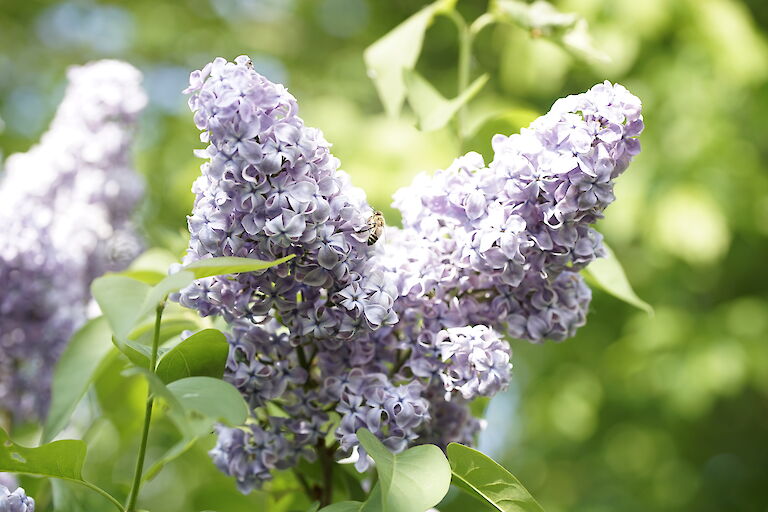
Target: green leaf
202,354
60,459
120,299
486,480
403,486
541,18
76,368
343,506
397,51
160,291
608,274
125,301
539,15
214,398
432,109
230,265
173,453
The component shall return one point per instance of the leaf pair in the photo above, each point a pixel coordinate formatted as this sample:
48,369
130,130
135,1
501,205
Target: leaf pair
402,486
419,478
542,19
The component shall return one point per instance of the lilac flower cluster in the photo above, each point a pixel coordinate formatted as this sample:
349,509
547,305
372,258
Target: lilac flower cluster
478,361
65,207
16,501
396,337
271,188
501,245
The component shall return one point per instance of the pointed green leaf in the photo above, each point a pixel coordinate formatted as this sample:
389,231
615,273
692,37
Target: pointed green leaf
397,51
211,397
173,453
489,482
202,354
539,15
230,265
76,368
432,109
60,459
608,274
541,18
403,486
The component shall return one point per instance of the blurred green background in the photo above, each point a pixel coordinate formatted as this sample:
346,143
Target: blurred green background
636,413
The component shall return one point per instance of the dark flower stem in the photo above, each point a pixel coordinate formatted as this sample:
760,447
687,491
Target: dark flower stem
134,494
325,456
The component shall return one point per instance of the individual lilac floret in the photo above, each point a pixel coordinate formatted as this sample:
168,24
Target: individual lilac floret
477,361
271,188
16,501
65,208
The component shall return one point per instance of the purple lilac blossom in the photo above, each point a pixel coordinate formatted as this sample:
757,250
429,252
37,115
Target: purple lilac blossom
477,361
270,188
397,337
65,206
514,234
16,501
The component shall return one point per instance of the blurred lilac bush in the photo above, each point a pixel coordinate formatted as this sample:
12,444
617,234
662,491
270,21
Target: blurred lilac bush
396,337
65,208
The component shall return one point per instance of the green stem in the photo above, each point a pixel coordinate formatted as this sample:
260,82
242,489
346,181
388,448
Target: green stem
465,53
103,493
134,494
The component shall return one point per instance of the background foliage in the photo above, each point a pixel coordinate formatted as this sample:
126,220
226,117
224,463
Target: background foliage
636,413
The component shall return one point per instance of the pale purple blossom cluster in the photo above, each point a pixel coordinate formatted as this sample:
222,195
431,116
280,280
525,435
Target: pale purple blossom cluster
65,208
400,336
501,245
16,501
271,188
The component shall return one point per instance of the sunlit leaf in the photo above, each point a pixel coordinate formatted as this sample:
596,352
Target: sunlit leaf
401,476
211,397
432,109
542,19
74,372
59,459
230,265
539,15
202,354
608,274
397,51
489,482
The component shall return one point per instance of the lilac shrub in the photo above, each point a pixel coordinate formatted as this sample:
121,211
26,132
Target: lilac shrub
399,336
65,207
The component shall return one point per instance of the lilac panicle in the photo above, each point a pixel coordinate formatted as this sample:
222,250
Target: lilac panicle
270,188
65,206
397,337
515,233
